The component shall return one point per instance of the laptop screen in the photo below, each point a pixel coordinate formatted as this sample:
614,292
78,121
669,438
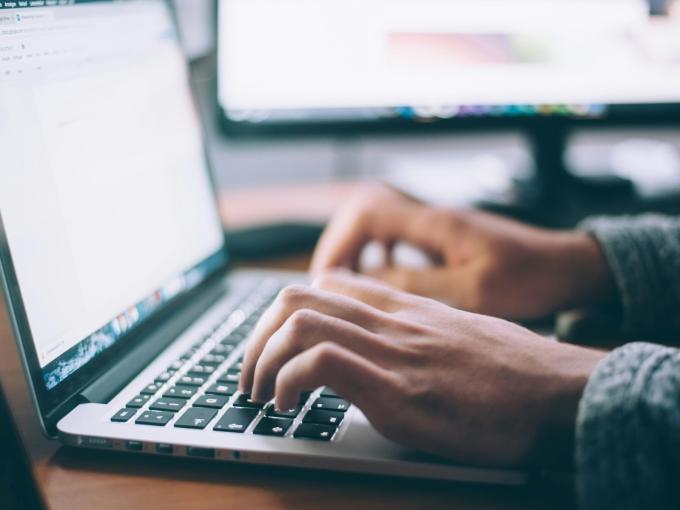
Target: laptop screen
105,196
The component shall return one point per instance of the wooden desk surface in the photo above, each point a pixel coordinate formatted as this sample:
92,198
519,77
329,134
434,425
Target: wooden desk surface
73,479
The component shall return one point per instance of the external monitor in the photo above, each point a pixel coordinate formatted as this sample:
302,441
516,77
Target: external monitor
353,65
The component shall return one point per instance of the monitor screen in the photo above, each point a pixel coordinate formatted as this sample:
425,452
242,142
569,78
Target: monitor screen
105,196
292,61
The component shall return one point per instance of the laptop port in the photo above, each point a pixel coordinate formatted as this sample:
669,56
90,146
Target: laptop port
207,453
164,448
135,446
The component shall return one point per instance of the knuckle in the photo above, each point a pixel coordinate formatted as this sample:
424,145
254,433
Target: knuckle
301,321
325,356
292,294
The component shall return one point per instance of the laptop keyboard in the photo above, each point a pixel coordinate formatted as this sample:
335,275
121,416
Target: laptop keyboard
199,390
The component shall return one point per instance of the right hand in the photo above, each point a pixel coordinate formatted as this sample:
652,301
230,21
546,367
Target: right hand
483,263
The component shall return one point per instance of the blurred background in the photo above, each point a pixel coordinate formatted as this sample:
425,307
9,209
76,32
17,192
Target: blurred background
547,110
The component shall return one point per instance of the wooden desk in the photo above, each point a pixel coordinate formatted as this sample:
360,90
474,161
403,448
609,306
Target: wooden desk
74,479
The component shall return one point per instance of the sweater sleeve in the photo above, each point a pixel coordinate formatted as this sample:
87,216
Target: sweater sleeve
628,431
643,254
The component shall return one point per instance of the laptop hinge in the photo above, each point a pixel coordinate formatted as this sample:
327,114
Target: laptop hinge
107,386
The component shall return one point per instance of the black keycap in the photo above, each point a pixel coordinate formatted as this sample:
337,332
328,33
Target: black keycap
283,413
236,420
138,401
329,392
168,404
158,418
330,404
180,391
213,359
323,417
226,389
192,380
123,415
196,418
176,365
304,397
165,376
151,389
201,370
243,400
314,431
238,366
223,349
214,401
230,376
273,426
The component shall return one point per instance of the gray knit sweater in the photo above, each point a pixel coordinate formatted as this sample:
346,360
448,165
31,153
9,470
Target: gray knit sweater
628,426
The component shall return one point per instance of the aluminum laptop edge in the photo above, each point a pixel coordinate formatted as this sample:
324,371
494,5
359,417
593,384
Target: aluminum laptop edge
115,267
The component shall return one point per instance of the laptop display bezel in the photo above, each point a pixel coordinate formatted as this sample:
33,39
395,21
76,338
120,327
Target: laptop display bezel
53,404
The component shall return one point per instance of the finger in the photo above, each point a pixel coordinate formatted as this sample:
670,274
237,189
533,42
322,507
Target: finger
303,330
346,235
298,297
355,378
366,289
439,283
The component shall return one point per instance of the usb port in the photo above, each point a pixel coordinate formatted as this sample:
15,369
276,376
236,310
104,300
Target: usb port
135,446
207,453
164,448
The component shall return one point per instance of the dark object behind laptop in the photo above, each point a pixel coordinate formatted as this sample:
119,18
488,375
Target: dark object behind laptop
18,489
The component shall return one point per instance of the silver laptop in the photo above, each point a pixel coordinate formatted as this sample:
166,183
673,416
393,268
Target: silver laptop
115,268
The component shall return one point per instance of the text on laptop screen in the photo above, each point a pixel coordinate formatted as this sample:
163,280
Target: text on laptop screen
104,193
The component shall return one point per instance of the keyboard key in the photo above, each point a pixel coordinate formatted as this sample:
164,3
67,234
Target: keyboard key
223,349
176,365
226,389
151,389
283,413
180,391
323,417
314,431
273,426
304,397
196,418
213,359
330,404
244,400
201,370
192,380
236,420
123,415
168,404
165,376
329,392
138,401
158,418
230,376
214,401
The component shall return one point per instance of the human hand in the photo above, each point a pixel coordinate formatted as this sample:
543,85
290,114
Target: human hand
472,388
482,262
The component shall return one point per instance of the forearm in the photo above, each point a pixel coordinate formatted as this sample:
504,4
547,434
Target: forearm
627,437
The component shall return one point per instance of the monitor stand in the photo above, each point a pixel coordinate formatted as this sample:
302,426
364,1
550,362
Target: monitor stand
554,196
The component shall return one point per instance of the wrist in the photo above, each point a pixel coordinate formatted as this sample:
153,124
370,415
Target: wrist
561,393
583,271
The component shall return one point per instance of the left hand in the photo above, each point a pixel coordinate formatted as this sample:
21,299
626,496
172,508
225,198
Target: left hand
473,388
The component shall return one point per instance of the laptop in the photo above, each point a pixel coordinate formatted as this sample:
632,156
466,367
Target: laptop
129,320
